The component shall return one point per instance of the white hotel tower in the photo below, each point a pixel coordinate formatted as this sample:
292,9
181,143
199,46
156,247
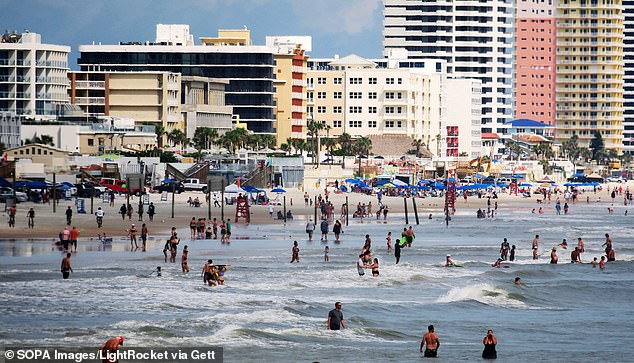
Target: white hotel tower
474,37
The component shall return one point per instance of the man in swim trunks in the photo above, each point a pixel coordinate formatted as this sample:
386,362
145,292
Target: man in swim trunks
74,235
295,252
574,256
66,268
110,347
361,265
535,247
208,277
432,341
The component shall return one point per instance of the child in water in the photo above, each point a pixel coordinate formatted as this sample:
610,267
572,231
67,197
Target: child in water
326,250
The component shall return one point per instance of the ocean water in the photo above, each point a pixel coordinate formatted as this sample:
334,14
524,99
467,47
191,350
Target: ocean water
271,310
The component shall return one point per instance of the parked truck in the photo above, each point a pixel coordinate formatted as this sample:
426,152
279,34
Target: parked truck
195,184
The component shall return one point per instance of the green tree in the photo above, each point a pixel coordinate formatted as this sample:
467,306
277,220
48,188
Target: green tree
204,137
597,146
514,149
361,147
159,130
345,146
314,127
626,159
3,147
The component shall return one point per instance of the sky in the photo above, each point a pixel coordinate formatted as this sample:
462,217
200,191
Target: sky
337,26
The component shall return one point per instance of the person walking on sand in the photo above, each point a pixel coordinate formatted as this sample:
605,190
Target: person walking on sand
130,211
123,211
151,210
433,343
99,216
295,252
66,268
69,215
140,210
30,215
489,341
12,212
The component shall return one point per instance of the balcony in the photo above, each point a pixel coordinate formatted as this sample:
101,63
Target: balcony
298,122
90,100
298,135
90,85
173,118
172,102
298,69
297,109
299,82
299,96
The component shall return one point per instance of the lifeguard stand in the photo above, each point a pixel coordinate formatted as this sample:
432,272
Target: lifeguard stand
242,209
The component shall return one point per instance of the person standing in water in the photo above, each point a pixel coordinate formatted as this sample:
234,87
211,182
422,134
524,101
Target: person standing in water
144,233
111,347
397,250
326,251
602,263
336,229
580,245
66,268
489,341
335,318
432,341
504,250
512,254
536,247
310,228
184,264
295,252
553,256
389,242
574,256
132,234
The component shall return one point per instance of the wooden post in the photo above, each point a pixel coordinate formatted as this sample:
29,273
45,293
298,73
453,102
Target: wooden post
92,202
284,209
54,193
315,210
173,192
208,199
406,216
347,217
222,199
415,210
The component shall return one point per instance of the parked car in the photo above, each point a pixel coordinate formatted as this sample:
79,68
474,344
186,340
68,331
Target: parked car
167,187
194,184
87,190
119,186
615,179
6,192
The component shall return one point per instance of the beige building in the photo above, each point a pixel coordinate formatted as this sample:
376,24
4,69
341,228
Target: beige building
40,154
462,129
96,141
229,37
203,104
150,98
362,97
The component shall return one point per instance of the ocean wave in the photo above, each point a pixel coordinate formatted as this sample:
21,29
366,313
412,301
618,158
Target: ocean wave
483,293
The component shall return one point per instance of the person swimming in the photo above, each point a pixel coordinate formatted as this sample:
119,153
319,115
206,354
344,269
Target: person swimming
449,262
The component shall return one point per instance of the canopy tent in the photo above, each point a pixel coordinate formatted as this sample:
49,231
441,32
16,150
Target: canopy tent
36,185
388,185
250,189
478,176
353,181
5,183
526,185
578,175
234,188
399,183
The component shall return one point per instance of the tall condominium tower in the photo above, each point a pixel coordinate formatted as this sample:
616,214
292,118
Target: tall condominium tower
628,88
535,46
474,37
590,71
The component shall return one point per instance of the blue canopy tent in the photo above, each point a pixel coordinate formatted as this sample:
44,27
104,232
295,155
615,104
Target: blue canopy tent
5,183
36,185
343,188
578,175
250,189
167,181
526,185
399,183
353,181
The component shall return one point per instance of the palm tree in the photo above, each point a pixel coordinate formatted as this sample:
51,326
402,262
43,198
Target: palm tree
267,140
313,131
513,148
159,130
362,147
330,145
611,155
418,144
345,145
286,148
175,136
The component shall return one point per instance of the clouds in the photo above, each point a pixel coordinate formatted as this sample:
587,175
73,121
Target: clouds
337,16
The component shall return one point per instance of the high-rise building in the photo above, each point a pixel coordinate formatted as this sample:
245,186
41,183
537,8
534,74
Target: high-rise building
248,68
290,85
150,98
462,130
535,60
590,71
361,97
476,40
33,75
628,87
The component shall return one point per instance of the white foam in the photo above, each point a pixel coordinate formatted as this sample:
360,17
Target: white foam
483,293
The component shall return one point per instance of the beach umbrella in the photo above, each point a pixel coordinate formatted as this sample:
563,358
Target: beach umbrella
399,183
167,181
517,176
578,175
278,190
389,185
526,185
343,188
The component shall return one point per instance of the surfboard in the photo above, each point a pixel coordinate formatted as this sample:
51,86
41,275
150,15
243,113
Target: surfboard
403,241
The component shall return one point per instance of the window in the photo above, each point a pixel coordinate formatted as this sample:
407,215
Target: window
389,95
399,81
399,109
356,80
372,80
372,95
389,81
336,109
399,124
321,80
337,81
355,124
389,124
356,95
372,109
91,142
399,95
321,109
338,95
372,124
321,95
389,109
309,110
356,109
336,123
39,151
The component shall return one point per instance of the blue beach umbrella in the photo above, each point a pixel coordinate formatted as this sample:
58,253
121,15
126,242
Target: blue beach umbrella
278,190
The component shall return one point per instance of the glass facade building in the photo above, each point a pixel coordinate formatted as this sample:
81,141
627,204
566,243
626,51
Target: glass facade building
249,70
